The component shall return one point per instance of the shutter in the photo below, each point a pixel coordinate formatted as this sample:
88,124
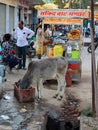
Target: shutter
2,18
11,18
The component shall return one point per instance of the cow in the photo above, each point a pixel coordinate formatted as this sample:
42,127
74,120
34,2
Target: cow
46,69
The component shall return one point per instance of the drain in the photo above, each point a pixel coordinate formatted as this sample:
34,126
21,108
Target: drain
56,124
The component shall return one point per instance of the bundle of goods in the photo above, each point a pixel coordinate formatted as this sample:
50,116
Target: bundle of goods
46,6
50,6
74,34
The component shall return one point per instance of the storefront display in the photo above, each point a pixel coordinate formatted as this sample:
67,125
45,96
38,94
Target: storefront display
71,49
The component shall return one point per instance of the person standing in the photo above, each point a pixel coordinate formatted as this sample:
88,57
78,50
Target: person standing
22,35
42,40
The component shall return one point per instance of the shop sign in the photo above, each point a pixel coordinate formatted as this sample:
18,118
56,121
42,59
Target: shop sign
62,21
64,13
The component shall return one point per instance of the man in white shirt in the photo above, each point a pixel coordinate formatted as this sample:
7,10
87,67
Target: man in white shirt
22,34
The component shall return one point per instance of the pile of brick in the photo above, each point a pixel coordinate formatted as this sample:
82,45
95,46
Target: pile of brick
70,108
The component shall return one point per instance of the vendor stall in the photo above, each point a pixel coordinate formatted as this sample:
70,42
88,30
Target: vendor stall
72,48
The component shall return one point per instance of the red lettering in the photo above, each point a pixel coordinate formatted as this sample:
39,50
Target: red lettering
71,13
62,13
59,13
76,13
65,13
83,13
53,13
47,13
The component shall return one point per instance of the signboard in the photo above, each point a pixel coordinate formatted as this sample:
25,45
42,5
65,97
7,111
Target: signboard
64,13
62,21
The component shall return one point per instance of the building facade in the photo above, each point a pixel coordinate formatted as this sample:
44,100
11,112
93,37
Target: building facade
11,11
8,15
24,13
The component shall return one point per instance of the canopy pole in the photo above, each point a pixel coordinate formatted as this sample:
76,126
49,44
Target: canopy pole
93,64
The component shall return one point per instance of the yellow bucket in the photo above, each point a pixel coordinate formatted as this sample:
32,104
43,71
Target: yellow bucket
58,50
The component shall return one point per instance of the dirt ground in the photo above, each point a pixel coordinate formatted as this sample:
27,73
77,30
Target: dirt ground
81,90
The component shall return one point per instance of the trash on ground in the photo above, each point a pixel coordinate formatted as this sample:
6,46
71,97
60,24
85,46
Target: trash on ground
6,97
5,117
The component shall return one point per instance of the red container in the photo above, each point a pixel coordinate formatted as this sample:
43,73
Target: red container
73,66
24,95
68,77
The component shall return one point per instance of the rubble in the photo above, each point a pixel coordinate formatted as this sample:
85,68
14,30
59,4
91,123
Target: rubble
70,108
69,113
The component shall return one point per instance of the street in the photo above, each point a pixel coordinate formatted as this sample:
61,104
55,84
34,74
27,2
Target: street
12,113
43,22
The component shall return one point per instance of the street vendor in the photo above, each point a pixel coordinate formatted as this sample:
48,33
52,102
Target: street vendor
42,40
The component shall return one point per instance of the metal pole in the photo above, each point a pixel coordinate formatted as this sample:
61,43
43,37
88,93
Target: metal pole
94,81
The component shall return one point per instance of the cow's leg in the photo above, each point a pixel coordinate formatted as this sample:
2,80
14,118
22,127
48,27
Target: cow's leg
62,85
58,88
39,87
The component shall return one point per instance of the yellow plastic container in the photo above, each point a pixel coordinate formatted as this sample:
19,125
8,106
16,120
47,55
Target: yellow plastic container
58,50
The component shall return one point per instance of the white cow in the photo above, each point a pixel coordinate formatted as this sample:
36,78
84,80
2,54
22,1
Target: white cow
45,69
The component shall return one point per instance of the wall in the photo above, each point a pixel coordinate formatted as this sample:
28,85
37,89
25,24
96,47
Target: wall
9,2
8,14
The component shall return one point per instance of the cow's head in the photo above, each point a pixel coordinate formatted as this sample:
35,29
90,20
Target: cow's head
27,78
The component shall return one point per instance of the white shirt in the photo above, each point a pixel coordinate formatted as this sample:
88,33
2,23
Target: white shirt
96,28
49,32
88,25
22,35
